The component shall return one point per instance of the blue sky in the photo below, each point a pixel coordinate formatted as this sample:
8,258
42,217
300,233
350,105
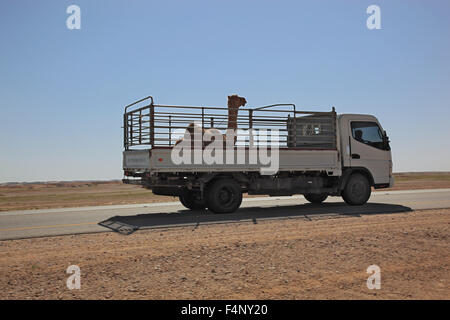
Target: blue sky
63,91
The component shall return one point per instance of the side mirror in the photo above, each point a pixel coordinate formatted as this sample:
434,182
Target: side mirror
386,141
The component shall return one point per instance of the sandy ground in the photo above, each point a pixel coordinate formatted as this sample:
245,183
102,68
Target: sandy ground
420,180
73,194
77,194
278,259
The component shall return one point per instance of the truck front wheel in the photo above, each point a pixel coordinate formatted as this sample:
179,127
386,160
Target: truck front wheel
315,197
191,200
224,196
357,190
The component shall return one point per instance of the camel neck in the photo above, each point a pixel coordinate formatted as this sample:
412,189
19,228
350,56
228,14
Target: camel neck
232,118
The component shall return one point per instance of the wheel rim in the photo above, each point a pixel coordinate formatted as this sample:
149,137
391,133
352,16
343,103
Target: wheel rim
226,196
358,191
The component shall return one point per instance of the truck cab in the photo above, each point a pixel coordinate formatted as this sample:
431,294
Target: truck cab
365,146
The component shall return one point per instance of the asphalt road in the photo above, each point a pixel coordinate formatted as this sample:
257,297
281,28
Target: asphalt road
128,218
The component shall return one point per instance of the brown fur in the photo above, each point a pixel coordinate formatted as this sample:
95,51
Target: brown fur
234,102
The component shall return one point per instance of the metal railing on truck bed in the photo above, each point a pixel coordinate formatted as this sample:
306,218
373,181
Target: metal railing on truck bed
148,124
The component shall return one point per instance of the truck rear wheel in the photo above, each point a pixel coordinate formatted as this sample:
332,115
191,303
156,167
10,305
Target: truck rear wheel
315,197
191,200
357,190
224,196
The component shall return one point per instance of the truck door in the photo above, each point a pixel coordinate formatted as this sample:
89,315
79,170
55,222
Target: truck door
368,149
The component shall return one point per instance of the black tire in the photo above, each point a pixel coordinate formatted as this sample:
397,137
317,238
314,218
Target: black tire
223,196
357,190
315,197
191,200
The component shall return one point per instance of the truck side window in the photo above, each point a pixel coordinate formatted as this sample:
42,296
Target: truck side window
368,133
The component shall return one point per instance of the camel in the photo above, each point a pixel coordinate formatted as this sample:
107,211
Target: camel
234,103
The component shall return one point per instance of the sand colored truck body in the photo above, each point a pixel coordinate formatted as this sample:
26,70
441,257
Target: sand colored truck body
317,154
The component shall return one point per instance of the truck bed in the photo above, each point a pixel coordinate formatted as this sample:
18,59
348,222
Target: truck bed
307,140
290,159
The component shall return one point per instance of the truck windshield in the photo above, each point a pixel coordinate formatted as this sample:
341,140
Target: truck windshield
369,133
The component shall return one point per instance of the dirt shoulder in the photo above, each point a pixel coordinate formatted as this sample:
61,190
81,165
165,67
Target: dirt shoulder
78,194
74,194
320,258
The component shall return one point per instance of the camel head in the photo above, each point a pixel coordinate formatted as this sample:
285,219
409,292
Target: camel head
235,101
